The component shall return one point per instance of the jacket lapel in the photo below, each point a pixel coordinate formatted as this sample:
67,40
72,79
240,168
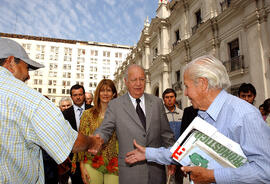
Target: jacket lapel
73,119
148,111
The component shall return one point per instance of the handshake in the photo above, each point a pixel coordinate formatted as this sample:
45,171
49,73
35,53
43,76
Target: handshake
95,144
92,144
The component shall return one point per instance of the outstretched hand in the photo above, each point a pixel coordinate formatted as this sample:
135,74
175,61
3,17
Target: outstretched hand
95,144
136,155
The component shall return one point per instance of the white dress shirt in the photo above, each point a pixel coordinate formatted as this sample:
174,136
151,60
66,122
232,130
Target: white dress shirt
77,114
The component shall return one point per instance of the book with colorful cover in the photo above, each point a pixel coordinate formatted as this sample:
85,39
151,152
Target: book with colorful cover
203,145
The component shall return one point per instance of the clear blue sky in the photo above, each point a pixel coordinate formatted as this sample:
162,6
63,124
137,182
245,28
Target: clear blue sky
109,21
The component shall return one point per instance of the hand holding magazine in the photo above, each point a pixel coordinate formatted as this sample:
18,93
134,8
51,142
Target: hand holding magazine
202,145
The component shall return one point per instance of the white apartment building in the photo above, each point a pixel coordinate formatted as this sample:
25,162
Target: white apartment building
235,31
69,62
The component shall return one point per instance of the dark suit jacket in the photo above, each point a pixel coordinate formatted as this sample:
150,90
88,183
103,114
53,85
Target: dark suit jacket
70,116
189,114
121,117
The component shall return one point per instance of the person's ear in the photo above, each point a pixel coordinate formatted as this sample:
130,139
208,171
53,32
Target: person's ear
125,80
203,83
9,64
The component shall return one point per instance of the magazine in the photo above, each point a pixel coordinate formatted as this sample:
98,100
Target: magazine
203,145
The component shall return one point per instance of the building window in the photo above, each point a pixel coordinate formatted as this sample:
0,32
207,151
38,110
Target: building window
65,83
54,53
53,66
198,17
52,74
26,46
65,91
106,62
80,83
81,52
37,81
94,53
155,51
93,61
38,89
68,51
40,48
38,73
106,53
80,68
40,56
198,21
79,75
178,75
93,69
52,82
106,69
92,76
67,66
80,60
177,85
51,90
234,48
225,4
118,55
177,38
177,35
54,49
66,74
236,61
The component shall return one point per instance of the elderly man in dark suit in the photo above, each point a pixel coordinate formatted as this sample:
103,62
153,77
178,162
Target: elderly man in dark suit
73,115
140,116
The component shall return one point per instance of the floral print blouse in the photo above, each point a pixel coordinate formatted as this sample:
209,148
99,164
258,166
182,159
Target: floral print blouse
107,160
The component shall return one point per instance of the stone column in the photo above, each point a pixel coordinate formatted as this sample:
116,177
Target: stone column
164,40
147,65
165,77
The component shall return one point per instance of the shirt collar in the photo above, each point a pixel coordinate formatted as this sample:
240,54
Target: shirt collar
168,111
77,107
216,106
6,71
134,99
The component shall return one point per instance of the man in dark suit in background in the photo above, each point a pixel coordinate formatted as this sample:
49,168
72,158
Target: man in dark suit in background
73,115
189,114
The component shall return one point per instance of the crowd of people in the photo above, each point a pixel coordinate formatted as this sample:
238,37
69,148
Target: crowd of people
103,138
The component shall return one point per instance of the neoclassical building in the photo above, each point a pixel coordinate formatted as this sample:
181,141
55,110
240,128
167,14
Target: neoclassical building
235,31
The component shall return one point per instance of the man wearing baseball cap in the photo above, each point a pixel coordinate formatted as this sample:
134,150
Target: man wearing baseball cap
29,122
14,58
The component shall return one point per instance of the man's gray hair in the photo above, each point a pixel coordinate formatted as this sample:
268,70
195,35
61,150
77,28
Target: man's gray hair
212,69
65,98
132,66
